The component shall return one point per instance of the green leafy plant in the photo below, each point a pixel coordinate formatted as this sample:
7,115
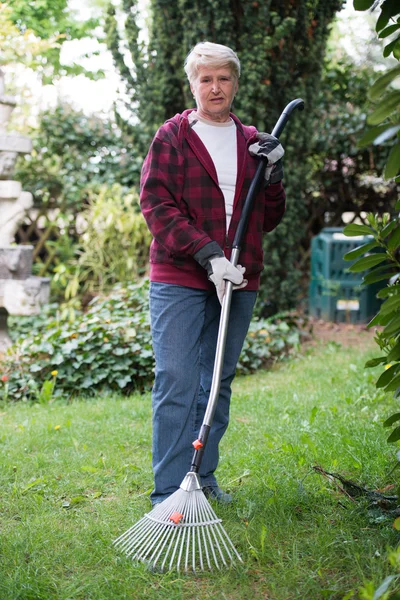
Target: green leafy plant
114,244
108,348
382,266
385,117
267,341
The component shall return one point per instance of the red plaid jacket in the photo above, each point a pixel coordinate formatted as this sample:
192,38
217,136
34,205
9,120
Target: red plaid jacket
185,209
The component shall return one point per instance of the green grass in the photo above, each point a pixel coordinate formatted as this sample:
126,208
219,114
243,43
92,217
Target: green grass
75,476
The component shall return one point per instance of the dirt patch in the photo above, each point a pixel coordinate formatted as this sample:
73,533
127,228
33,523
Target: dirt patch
347,334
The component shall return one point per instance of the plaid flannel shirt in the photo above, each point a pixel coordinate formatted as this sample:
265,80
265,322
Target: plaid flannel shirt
184,206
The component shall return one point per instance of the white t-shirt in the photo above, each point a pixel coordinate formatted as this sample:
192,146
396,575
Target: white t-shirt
221,144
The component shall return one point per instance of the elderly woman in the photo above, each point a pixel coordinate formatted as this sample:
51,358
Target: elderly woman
194,182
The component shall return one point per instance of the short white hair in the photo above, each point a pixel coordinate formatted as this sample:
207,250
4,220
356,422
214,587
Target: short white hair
208,54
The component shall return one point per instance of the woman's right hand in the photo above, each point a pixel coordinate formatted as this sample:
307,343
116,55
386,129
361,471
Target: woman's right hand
223,270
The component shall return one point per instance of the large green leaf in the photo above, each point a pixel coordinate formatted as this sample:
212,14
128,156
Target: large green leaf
394,437
390,131
388,229
387,376
392,419
374,362
362,4
392,328
391,304
370,136
394,354
385,108
384,586
367,262
388,31
382,82
393,162
374,277
360,250
376,320
354,229
394,240
389,8
393,385
391,47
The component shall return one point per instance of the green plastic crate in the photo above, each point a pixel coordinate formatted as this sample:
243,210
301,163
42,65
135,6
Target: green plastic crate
335,293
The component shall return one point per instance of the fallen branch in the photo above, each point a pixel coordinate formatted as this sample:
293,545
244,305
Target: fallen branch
354,491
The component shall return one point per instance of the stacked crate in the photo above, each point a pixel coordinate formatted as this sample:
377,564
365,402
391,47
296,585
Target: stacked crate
335,293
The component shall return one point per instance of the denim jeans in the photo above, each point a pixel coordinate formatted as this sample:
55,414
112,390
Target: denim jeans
184,324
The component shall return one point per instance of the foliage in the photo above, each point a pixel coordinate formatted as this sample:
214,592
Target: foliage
17,46
345,177
73,157
73,152
268,340
281,47
386,115
383,266
44,26
370,592
109,348
385,232
113,246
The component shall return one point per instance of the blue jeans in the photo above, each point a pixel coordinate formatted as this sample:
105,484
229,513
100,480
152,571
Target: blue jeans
184,324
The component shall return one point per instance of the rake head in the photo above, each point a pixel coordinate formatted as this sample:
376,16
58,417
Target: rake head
181,533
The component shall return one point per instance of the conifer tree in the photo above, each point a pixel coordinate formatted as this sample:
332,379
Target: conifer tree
281,45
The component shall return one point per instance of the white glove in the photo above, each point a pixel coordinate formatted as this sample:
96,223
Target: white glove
223,270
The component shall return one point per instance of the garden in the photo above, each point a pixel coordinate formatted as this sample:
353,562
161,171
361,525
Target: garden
312,452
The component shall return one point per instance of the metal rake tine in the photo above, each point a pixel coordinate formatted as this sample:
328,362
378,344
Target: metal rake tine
183,533
156,534
203,532
178,535
125,534
174,530
207,531
171,529
142,529
145,530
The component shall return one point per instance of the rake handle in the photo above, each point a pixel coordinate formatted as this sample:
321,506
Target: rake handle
256,182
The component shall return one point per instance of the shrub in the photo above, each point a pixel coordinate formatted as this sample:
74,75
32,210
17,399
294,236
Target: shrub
114,244
108,348
383,266
267,341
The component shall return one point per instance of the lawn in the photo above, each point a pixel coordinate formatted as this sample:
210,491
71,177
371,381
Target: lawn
75,475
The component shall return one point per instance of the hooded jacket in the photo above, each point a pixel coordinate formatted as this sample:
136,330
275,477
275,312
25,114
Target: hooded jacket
184,206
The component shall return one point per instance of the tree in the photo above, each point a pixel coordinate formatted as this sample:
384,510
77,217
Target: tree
41,28
281,46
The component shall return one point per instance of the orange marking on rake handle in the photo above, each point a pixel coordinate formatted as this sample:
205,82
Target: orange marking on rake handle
176,517
197,444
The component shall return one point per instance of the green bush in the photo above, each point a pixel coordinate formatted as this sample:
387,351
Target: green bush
267,341
383,266
114,244
108,348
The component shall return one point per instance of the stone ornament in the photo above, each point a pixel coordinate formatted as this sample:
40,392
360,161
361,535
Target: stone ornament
16,262
25,297
20,292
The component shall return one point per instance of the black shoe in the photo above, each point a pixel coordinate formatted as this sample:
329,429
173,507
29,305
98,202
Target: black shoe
215,493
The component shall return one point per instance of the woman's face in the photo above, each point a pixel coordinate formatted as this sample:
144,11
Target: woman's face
214,90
